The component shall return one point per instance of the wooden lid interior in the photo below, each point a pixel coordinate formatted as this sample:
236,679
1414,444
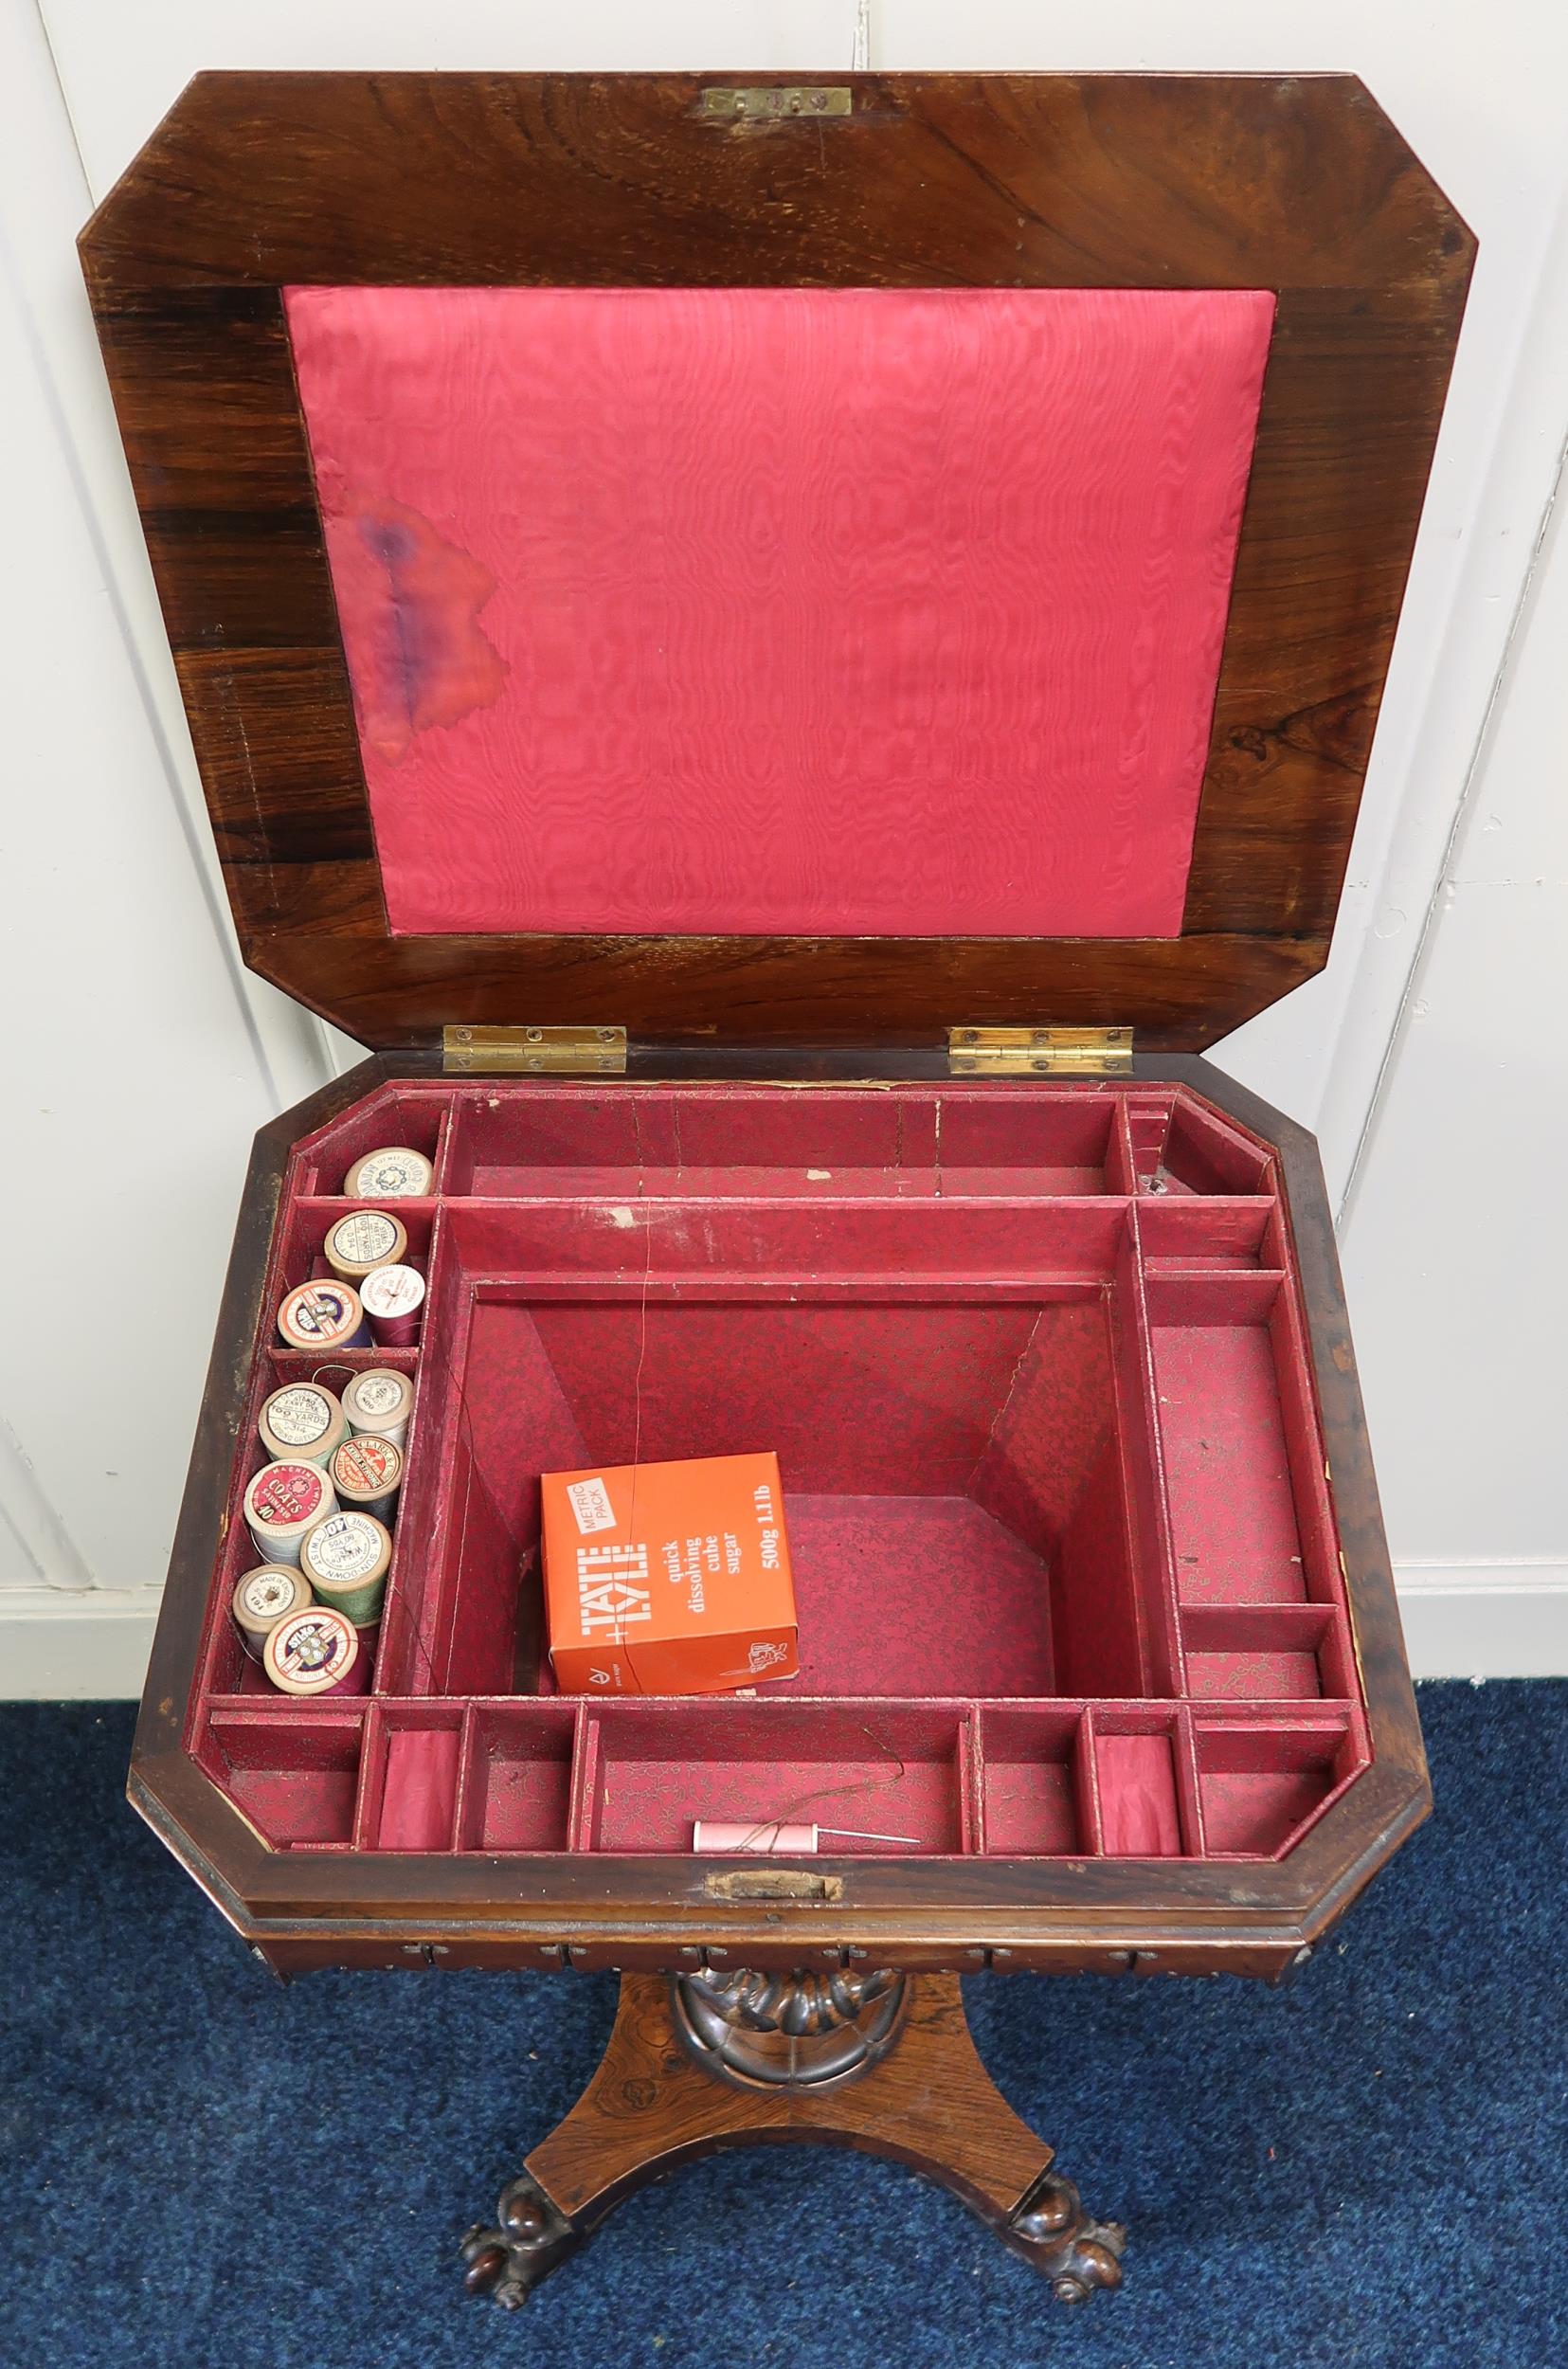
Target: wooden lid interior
784,579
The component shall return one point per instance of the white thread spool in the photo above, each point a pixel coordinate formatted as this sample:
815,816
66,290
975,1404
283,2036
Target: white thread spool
393,1300
261,1599
315,1652
282,1502
380,1400
365,1239
302,1421
366,1473
323,1316
394,1173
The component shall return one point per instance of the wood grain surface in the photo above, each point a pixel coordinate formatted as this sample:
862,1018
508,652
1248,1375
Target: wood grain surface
1296,183
930,2105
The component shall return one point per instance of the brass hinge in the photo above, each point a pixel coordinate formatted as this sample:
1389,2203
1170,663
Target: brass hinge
562,1052
1039,1052
769,104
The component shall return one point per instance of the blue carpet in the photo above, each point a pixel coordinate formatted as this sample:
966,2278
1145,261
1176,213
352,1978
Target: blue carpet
199,2166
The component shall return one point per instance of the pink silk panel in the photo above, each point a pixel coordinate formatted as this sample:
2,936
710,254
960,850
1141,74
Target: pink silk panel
816,612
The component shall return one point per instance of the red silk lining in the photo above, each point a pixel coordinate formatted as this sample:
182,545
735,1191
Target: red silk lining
802,611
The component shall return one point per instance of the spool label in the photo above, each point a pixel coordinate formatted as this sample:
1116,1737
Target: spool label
298,1416
312,1644
393,1292
377,1394
319,1311
391,1175
366,1236
367,1463
285,1496
346,1546
268,1596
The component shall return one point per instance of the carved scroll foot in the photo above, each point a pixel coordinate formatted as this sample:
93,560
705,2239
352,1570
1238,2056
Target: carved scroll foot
876,2060
1050,2228
530,2239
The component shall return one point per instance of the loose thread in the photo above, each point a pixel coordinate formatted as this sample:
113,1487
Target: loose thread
835,1793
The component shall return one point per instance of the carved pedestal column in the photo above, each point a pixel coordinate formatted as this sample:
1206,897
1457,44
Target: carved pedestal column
879,2061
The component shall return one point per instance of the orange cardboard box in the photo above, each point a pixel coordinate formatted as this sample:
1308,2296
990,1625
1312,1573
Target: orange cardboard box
668,1579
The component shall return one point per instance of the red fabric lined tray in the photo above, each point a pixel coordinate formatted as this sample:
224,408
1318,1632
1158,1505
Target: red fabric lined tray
1036,1369
784,611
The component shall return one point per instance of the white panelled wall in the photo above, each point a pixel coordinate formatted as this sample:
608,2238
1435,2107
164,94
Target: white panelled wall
1429,1057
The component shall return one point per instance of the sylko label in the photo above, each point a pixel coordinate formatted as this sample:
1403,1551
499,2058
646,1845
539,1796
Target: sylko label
612,1590
310,1643
376,1394
344,1548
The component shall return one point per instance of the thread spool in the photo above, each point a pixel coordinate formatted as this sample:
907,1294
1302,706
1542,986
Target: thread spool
713,1833
365,1239
393,1299
345,1560
261,1599
315,1652
366,1473
302,1422
322,1315
282,1502
394,1173
380,1400
716,1834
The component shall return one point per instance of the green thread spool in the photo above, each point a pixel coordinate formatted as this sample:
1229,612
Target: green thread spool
345,1559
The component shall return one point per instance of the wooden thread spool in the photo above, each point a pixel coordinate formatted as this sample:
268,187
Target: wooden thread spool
365,1239
345,1560
394,1173
366,1473
394,1303
323,1316
302,1422
380,1401
261,1599
315,1652
283,1503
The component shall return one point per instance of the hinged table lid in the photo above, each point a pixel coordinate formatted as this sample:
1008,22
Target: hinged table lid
780,561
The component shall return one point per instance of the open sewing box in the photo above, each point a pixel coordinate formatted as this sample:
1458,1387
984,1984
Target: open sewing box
788,656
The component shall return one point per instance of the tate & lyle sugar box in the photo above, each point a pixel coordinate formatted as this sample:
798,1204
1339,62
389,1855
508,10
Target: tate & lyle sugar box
668,1579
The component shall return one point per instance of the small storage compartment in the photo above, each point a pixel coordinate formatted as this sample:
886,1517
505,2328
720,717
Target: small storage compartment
1264,1782
1146,1782
894,1776
1035,1803
293,1774
409,1797
516,1785
1228,1467
406,1115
